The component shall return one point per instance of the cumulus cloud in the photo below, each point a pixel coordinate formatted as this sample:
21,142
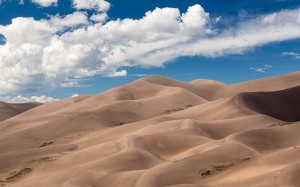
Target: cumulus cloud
22,99
41,54
100,17
121,73
262,69
69,21
98,5
45,3
75,95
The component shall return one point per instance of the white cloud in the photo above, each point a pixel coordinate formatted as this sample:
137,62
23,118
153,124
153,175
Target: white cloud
41,54
195,19
267,66
142,75
101,17
75,95
292,54
262,69
22,99
98,5
71,84
121,73
45,3
27,31
71,20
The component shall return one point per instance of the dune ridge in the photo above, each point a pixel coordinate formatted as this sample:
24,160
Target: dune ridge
159,132
9,110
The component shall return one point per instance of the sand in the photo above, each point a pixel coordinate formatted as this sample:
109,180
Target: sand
9,110
158,132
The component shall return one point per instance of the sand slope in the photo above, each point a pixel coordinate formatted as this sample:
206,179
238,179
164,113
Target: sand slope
8,110
159,132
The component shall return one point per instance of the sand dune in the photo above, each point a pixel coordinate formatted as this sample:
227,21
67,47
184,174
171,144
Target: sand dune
8,110
283,105
159,132
218,90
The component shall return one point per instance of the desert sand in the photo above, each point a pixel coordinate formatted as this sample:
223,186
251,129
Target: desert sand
8,110
159,132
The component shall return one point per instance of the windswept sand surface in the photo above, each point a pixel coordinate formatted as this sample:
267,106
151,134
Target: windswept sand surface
8,110
159,132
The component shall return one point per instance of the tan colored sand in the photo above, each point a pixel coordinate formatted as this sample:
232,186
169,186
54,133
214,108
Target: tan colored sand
9,110
159,132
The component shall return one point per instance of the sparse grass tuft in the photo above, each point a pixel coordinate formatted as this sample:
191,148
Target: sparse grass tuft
280,124
120,123
246,158
12,173
169,111
15,175
46,159
222,167
46,144
206,173
215,169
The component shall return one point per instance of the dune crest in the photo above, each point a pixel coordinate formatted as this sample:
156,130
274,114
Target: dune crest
159,132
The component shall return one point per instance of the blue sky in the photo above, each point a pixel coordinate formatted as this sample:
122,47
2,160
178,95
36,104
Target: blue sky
58,48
